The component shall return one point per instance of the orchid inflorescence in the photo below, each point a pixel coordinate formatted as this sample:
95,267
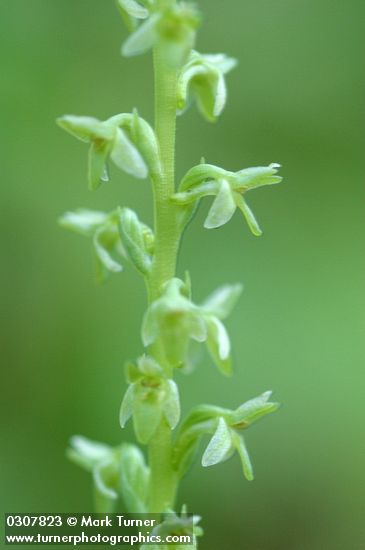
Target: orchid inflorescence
173,324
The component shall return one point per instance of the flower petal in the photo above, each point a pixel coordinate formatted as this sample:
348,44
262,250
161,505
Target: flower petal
251,178
223,207
219,446
219,345
127,157
86,453
221,302
103,246
97,171
254,409
85,128
126,409
134,478
143,39
83,221
133,8
172,405
240,446
248,214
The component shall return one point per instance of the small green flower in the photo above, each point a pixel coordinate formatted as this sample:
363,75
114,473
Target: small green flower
150,396
176,319
101,461
203,78
107,140
226,426
228,188
115,470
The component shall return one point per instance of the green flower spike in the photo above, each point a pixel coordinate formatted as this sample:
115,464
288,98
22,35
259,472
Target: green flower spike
150,396
126,139
173,26
202,78
103,229
225,425
176,319
228,188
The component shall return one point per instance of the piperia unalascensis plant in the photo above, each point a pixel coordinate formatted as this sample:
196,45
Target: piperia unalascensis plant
173,321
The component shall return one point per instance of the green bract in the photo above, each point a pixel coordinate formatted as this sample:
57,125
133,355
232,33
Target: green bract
202,78
175,319
228,188
173,323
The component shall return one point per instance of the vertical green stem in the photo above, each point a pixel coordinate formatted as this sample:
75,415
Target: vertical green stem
163,482
166,226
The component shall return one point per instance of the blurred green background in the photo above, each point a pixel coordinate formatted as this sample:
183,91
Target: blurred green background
296,98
